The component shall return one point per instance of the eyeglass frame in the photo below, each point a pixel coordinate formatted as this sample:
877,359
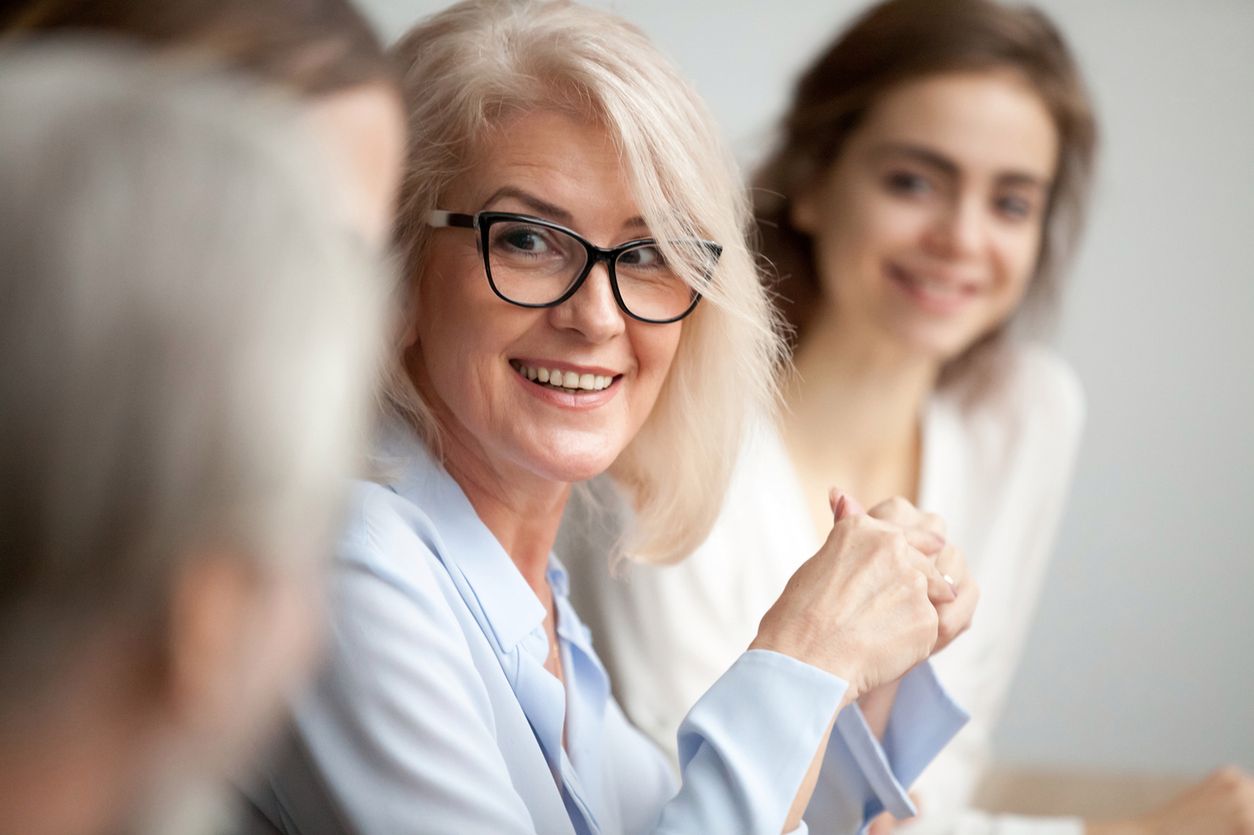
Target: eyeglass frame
482,222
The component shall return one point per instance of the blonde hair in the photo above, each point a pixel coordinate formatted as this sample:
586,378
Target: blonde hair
480,62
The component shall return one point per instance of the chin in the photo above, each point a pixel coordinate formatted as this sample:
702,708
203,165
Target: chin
938,341
570,459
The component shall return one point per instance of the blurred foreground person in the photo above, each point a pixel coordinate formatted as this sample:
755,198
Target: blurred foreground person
189,334
322,51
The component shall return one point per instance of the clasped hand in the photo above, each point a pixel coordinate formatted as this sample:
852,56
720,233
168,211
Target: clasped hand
884,592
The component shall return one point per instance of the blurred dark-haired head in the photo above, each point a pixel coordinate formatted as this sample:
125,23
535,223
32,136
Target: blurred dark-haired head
315,47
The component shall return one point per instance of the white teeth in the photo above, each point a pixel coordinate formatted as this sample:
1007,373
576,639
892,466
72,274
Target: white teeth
565,379
932,286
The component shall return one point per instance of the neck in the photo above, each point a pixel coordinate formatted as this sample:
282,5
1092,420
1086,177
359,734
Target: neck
855,407
522,510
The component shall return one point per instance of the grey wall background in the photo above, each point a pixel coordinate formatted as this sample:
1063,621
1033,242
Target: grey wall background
1142,656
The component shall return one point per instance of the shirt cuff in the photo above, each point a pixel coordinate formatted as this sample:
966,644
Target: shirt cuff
924,719
761,723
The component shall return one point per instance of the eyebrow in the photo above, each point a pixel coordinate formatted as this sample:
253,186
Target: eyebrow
949,168
547,210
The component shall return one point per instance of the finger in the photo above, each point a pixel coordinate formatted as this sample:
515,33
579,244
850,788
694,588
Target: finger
934,523
898,511
923,541
939,591
951,563
955,618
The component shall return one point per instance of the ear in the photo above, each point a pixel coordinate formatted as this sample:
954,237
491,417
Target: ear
803,210
210,606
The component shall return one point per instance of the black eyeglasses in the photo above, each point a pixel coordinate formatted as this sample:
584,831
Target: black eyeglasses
532,262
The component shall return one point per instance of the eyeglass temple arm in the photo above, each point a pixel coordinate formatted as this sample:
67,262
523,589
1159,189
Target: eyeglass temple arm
440,218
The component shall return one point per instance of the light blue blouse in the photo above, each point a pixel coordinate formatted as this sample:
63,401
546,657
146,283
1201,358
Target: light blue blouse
435,713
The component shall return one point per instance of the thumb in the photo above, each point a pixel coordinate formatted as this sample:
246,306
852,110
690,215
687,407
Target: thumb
843,505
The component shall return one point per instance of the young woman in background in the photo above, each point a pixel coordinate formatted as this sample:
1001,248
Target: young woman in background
924,198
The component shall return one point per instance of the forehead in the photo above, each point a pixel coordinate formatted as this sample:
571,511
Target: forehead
569,160
991,121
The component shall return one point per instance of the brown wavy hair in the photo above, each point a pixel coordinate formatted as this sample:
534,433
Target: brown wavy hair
313,47
900,41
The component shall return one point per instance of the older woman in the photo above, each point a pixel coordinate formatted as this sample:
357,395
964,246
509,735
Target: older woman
188,328
582,300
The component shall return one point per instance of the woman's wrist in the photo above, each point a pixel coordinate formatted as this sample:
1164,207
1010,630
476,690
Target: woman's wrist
843,671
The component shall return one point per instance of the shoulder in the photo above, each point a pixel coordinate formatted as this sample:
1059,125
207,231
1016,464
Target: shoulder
1027,392
384,531
387,567
1038,378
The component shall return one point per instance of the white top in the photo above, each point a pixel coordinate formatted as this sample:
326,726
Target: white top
995,466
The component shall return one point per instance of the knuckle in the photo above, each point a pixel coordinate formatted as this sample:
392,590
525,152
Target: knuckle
898,505
930,620
1229,776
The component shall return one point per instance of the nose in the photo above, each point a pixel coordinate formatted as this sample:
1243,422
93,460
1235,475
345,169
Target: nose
958,229
592,311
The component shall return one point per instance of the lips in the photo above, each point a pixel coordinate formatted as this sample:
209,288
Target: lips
931,290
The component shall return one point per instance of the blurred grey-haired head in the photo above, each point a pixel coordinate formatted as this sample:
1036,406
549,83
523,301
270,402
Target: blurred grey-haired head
189,334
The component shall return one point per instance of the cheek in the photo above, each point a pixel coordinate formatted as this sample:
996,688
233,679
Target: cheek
447,303
1017,256
655,347
862,226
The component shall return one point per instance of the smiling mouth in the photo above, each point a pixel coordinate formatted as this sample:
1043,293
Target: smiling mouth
567,381
931,289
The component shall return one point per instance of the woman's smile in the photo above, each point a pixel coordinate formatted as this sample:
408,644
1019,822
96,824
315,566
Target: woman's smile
931,290
567,385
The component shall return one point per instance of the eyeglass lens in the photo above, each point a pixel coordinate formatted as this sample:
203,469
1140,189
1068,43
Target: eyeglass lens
534,264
